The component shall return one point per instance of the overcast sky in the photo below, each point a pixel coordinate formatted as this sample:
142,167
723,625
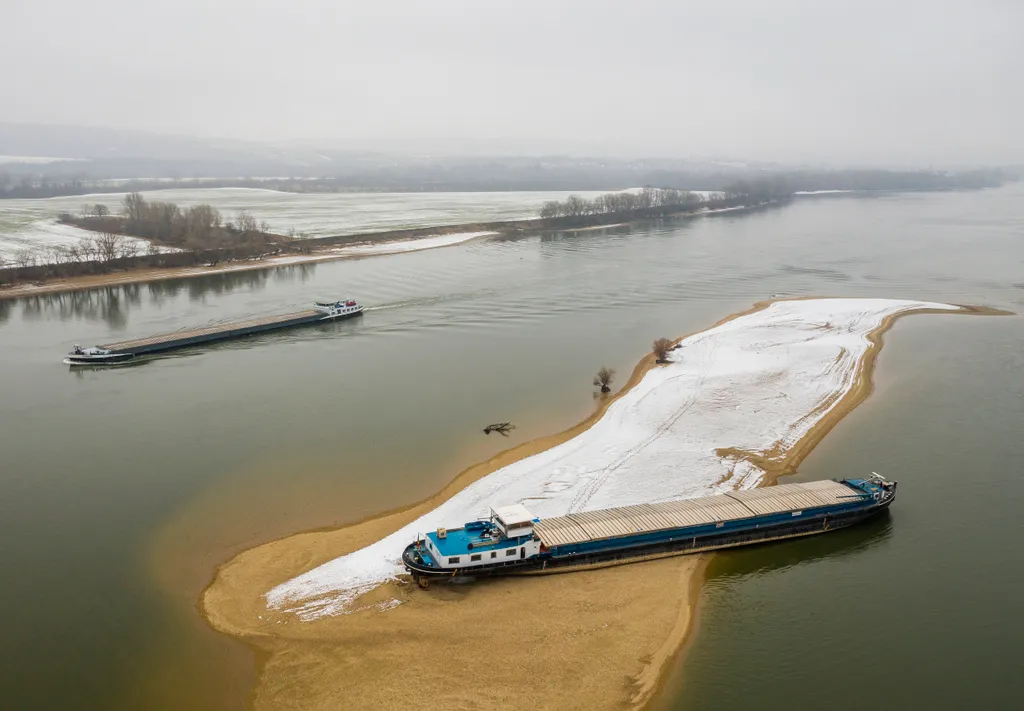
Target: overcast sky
865,81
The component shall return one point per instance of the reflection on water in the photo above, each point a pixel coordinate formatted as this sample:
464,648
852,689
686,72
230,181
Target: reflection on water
779,556
113,304
80,372
292,273
921,603
225,283
617,230
110,304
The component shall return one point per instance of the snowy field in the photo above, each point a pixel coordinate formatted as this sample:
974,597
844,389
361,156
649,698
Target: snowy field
758,383
32,224
39,236
32,160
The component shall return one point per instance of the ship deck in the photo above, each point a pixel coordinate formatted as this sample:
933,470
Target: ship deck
457,542
225,328
732,506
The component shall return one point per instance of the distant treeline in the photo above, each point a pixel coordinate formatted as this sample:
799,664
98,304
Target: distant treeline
867,180
648,200
660,202
45,187
538,174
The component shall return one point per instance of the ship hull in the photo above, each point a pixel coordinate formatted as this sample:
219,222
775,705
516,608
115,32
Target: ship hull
104,359
163,346
239,333
672,546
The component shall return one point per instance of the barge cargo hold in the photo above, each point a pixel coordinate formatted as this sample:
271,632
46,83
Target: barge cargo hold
123,351
512,541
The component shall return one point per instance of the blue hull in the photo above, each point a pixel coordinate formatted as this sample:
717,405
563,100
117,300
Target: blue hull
680,541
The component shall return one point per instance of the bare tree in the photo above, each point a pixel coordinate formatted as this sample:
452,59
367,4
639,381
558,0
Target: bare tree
57,254
128,249
576,206
3,262
100,210
134,208
25,258
604,378
550,209
87,249
661,348
247,223
108,246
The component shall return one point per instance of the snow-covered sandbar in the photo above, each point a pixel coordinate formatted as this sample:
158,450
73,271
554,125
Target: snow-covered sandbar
733,399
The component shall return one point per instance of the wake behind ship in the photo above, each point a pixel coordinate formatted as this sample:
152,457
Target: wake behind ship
513,541
124,351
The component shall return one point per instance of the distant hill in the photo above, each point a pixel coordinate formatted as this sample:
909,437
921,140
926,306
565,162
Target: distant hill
90,156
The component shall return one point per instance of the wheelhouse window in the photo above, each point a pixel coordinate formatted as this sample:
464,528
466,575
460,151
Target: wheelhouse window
475,557
454,560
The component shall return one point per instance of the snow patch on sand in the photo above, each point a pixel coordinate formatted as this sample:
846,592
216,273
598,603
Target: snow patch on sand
412,244
754,385
359,250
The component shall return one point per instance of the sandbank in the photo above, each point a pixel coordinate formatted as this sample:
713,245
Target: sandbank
593,639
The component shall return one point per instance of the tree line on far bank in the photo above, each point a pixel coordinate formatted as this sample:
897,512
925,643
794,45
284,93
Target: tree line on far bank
169,225
658,202
514,174
146,234
647,199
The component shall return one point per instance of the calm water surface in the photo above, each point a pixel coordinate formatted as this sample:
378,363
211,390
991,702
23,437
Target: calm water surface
121,489
923,604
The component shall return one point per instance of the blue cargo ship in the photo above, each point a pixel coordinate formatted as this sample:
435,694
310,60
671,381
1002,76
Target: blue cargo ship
114,353
512,541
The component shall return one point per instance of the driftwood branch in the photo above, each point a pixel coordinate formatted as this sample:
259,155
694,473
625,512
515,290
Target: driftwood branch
502,428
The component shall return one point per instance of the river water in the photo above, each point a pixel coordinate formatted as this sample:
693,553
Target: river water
122,489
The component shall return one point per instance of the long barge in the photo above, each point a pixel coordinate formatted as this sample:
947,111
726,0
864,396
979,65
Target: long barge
513,541
123,351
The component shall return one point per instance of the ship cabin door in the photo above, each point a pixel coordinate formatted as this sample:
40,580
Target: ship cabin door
522,552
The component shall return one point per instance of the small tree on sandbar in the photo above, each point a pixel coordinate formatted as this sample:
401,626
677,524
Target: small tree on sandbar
661,348
604,378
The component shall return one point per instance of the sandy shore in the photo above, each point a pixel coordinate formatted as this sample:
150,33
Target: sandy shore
136,276
590,640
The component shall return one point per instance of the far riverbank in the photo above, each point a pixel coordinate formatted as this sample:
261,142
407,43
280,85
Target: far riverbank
310,251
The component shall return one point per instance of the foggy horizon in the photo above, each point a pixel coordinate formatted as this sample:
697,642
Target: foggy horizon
875,84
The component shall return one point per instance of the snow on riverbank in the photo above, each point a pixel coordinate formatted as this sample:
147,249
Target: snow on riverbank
358,250
757,383
349,252
411,245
